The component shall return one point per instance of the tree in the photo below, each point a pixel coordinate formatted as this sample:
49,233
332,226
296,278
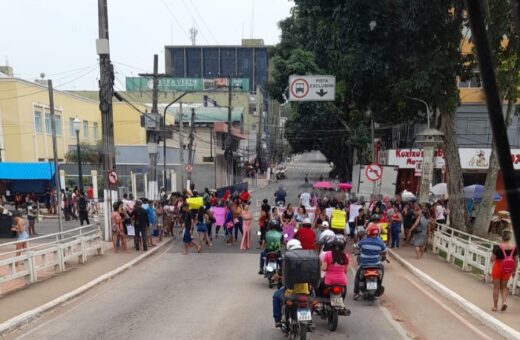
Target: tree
503,39
91,154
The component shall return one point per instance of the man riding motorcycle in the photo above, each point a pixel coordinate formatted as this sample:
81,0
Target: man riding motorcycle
280,294
272,242
372,251
280,195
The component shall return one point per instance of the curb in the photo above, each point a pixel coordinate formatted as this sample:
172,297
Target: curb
496,325
33,314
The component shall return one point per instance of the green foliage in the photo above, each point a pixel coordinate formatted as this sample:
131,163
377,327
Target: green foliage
380,52
91,154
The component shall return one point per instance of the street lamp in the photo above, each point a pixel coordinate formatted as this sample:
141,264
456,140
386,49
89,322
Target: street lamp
77,125
428,112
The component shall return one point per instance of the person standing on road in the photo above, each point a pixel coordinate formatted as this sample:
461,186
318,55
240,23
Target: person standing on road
246,236
187,237
395,228
305,199
419,231
83,208
140,217
202,227
408,221
505,263
148,206
118,232
31,216
159,219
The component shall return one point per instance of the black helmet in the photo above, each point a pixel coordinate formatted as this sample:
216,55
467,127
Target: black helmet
340,242
375,218
274,224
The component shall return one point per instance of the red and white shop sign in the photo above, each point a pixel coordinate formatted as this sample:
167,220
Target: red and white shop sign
470,158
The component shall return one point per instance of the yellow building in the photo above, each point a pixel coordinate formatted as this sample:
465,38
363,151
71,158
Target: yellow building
25,121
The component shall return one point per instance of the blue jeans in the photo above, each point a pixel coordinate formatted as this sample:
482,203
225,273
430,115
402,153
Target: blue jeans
278,298
396,229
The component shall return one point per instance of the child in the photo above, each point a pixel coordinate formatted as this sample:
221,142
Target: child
395,229
159,219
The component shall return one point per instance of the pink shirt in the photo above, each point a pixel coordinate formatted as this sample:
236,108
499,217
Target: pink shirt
335,274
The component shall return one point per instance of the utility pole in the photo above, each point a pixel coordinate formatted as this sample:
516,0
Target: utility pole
181,143
55,154
190,145
153,127
106,91
229,148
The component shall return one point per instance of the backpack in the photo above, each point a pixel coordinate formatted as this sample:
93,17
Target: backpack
82,204
508,264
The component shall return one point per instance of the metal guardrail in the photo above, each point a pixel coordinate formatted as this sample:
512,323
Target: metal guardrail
472,251
49,251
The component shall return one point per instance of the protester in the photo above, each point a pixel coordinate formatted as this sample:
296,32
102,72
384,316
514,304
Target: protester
202,227
118,233
246,236
83,208
187,237
395,228
419,231
21,232
408,221
140,217
505,263
159,219
209,219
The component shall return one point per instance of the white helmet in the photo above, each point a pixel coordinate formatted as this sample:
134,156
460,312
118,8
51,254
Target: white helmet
325,224
294,244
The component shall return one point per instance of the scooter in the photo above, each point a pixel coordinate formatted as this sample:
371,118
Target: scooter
370,283
332,306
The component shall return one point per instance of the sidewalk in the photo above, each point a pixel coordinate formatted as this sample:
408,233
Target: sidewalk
40,293
469,286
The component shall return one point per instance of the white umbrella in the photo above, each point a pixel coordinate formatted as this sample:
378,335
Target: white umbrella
440,189
407,196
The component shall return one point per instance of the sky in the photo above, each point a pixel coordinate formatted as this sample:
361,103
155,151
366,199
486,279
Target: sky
57,37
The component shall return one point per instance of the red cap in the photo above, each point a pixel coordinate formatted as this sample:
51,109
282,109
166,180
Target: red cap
372,230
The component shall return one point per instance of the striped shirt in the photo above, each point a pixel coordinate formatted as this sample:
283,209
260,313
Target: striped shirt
371,249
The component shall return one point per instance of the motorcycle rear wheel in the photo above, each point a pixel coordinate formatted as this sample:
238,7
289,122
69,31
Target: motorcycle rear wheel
332,320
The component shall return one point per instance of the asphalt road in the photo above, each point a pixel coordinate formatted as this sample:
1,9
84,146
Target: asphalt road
219,295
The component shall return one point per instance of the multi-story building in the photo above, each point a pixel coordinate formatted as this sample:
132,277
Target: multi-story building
249,60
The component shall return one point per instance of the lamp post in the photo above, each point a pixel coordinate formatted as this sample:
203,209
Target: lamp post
428,112
77,126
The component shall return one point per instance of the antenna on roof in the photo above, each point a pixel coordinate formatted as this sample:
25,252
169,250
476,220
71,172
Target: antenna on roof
193,35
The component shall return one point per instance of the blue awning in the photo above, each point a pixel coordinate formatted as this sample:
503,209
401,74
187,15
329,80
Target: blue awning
26,171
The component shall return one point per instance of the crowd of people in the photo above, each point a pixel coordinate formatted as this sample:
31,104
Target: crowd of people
198,218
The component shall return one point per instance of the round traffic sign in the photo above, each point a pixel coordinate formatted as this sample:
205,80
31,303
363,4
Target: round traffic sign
188,167
374,172
299,88
112,177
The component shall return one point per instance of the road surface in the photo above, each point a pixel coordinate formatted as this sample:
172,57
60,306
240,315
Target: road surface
219,295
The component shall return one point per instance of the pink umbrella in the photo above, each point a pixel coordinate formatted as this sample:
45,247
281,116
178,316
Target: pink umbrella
344,186
323,185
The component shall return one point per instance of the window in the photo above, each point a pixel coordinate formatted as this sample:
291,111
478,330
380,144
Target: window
57,120
193,63
95,130
72,131
85,129
37,122
48,129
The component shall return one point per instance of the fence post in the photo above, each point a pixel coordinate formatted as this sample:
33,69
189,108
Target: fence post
61,256
32,266
83,250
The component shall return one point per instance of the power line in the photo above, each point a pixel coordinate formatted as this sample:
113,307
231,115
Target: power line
204,23
174,18
195,22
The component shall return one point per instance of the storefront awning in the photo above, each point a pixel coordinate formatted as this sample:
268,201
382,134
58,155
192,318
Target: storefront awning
221,127
26,171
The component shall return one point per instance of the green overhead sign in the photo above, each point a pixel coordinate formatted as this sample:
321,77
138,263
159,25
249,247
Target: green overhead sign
186,84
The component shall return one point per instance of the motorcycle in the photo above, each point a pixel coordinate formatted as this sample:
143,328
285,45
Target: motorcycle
298,312
272,269
370,283
332,306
